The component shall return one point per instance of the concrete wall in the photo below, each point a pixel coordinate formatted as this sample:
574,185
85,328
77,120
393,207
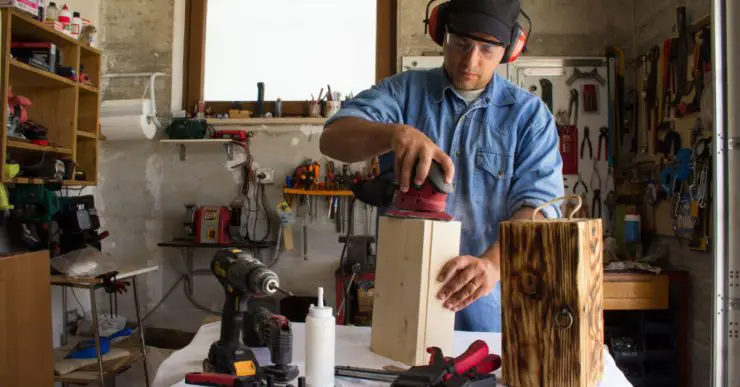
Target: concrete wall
655,20
559,27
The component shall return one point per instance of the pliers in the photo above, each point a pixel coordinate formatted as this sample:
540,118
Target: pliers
604,135
580,182
596,201
586,140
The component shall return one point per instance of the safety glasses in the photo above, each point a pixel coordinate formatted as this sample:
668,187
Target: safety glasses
466,43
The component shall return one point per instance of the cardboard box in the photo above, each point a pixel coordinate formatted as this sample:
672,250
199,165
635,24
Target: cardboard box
30,6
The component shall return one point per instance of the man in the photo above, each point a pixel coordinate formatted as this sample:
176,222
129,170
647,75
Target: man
497,143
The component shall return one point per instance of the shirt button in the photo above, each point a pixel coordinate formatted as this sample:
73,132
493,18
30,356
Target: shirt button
457,153
500,173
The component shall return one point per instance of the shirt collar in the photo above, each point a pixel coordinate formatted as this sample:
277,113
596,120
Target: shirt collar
497,92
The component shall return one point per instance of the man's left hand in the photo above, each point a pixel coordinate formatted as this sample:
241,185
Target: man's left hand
466,279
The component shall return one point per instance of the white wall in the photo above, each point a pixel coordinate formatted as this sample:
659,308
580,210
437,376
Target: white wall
89,9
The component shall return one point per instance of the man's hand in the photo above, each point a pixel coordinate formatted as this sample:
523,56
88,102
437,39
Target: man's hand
466,279
411,145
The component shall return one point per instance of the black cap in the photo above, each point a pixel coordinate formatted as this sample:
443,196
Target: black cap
491,17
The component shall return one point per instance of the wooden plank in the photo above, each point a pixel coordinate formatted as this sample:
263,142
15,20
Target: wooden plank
19,144
385,65
4,83
551,281
407,316
195,53
634,291
23,75
268,121
25,320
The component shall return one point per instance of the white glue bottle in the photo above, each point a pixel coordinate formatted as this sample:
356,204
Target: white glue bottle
320,344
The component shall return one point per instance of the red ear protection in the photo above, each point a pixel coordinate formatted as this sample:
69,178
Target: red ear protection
435,24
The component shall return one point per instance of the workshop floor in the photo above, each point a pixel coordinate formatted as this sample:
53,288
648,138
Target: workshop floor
134,377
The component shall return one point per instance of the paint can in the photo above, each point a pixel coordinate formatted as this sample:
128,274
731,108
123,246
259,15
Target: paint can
278,108
331,108
314,110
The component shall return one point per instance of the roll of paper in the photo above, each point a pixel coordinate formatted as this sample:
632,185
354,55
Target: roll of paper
127,120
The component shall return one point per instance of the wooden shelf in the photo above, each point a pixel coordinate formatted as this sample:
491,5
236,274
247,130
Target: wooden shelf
113,367
70,110
90,50
25,26
268,121
196,141
17,144
26,180
317,192
78,183
86,134
88,88
23,75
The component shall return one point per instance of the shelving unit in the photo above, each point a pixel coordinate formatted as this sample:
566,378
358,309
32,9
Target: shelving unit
70,110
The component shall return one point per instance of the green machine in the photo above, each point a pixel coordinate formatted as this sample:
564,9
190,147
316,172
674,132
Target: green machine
33,203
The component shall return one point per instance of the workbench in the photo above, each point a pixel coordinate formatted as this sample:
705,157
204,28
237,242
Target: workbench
127,272
352,349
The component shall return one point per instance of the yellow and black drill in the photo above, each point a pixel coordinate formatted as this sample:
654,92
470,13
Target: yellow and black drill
243,277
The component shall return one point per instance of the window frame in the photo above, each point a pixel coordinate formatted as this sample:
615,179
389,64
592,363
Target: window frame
195,48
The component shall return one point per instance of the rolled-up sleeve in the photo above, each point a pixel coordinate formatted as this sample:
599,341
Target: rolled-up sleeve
538,170
378,103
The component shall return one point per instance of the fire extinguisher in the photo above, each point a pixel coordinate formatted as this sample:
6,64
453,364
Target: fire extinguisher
569,148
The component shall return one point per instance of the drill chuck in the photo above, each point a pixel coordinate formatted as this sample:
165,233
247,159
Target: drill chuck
263,281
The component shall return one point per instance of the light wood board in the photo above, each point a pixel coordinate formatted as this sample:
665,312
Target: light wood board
407,316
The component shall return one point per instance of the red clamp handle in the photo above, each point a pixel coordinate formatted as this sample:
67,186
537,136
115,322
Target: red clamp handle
210,379
490,363
475,354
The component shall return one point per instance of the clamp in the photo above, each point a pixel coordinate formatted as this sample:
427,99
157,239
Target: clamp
586,140
473,369
603,135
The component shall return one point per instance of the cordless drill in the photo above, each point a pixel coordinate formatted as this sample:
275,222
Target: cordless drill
263,328
243,277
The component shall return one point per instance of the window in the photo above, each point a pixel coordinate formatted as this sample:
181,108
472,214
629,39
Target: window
295,47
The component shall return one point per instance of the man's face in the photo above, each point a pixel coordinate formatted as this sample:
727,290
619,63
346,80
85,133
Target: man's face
470,63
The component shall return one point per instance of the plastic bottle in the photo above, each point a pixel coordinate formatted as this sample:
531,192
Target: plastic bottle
76,25
65,17
52,12
320,338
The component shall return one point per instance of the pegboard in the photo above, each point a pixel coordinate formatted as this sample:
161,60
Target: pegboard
529,75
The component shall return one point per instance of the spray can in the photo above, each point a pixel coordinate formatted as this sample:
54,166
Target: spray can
320,338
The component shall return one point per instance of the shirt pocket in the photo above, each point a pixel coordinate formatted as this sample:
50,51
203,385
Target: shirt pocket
493,173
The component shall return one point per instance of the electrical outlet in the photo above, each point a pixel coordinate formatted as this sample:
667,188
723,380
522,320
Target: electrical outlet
265,175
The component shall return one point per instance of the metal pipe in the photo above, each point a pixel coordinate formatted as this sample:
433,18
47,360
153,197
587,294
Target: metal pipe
720,245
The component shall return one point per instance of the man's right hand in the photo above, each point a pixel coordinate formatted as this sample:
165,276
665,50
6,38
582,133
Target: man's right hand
410,145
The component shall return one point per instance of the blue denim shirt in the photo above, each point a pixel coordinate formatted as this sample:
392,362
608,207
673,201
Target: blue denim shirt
504,146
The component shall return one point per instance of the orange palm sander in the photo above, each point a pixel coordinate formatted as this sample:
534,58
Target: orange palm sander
426,201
